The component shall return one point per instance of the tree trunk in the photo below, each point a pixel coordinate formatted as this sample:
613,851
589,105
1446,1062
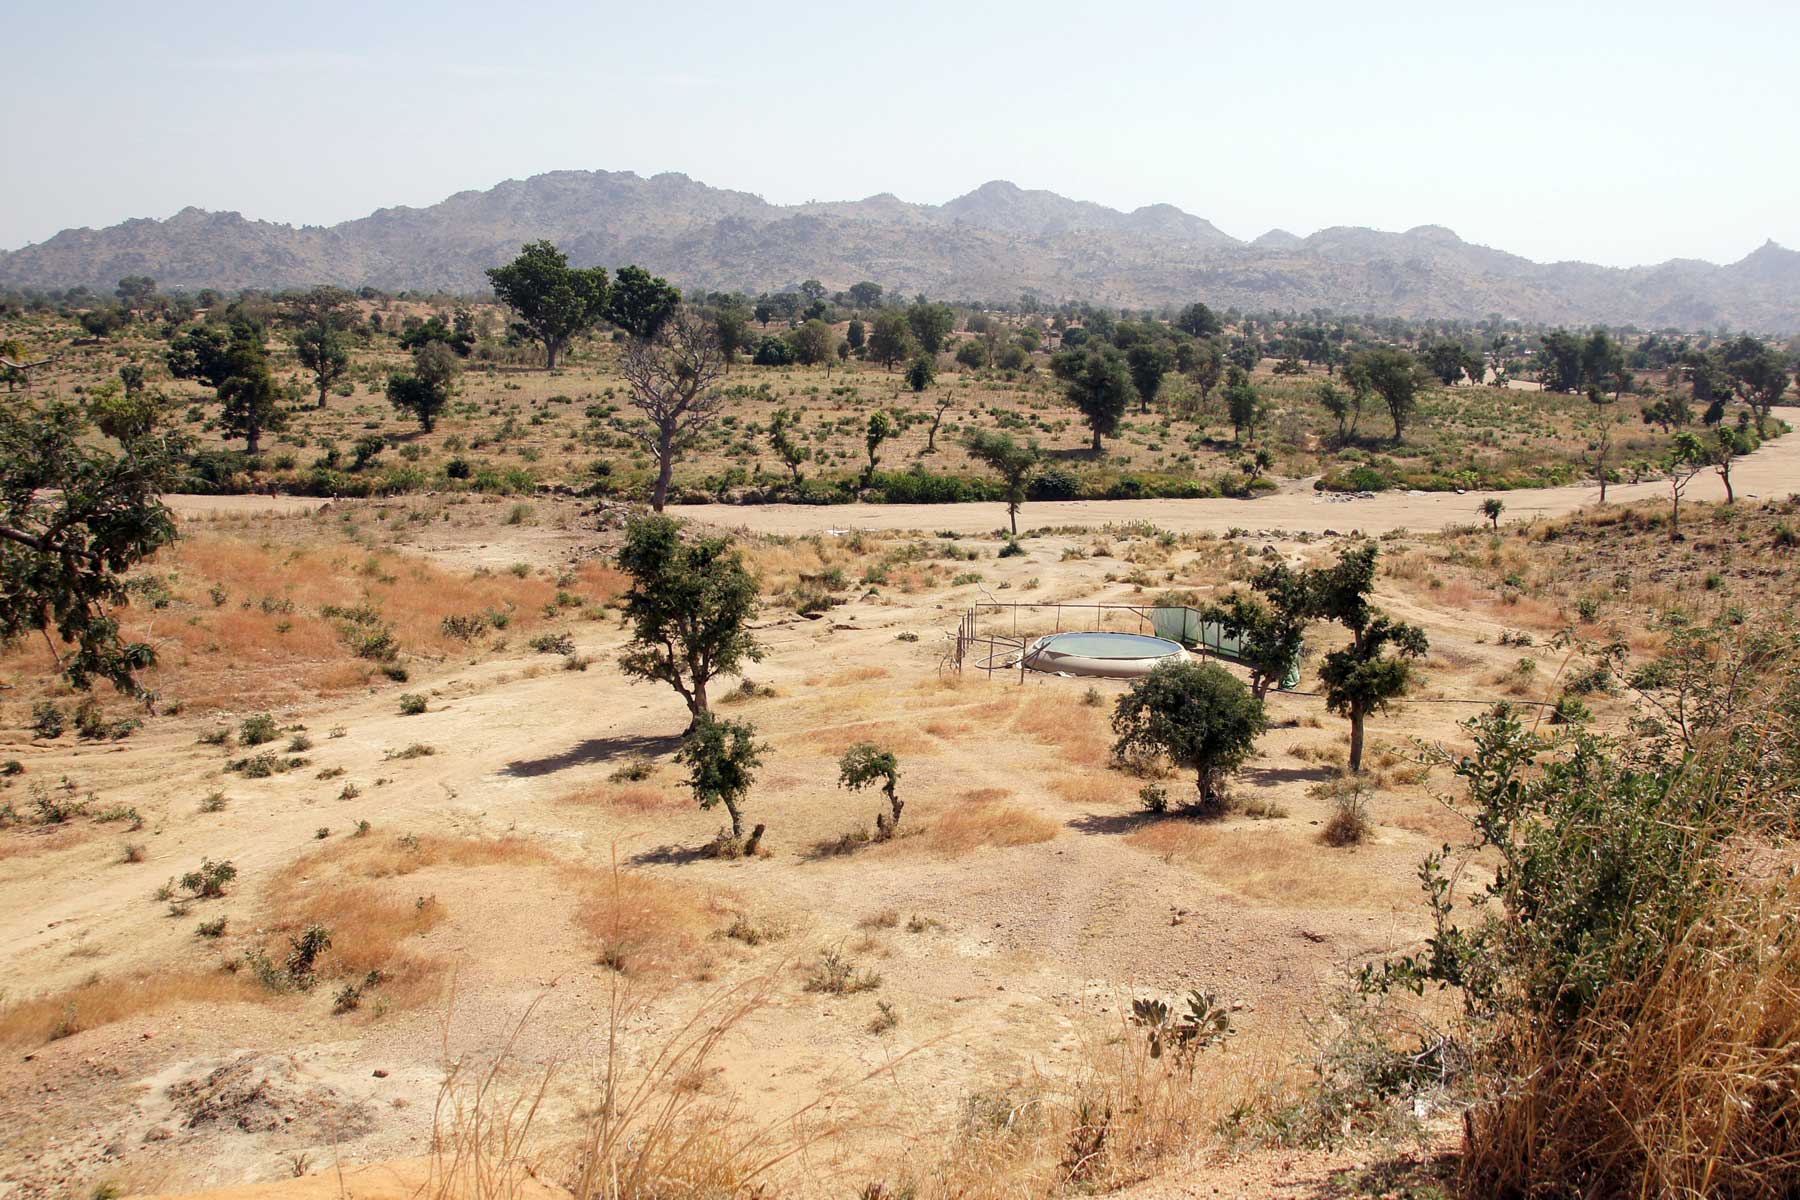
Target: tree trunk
252,440
1097,449
756,836
1012,514
1356,741
665,471
737,819
1730,496
550,349
322,390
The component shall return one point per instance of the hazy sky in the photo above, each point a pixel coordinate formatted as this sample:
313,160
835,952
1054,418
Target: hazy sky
1614,132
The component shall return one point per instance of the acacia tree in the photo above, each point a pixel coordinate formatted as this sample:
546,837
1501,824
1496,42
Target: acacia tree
921,373
1376,668
1197,714
689,607
931,324
236,366
866,764
946,399
325,352
782,428
425,390
814,343
671,377
554,301
1014,464
1209,367
721,758
1270,625
1345,406
75,517
1148,362
1395,376
1491,508
1098,384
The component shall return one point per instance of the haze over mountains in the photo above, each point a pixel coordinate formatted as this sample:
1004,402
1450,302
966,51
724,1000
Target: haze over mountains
993,243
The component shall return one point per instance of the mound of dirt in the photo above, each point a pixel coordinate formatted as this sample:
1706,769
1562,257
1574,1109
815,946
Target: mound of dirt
265,1093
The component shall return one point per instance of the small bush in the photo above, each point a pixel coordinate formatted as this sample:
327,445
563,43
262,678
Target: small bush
835,975
257,729
553,643
214,802
411,704
208,882
1348,823
47,720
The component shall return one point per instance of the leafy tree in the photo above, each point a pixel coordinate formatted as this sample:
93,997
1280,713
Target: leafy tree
1447,360
554,301
1197,714
880,428
1148,362
1670,411
856,334
773,352
1395,376
814,342
921,373
689,608
104,322
1208,368
1345,406
330,307
1198,320
721,758
1603,364
1491,508
891,339
425,390
1099,384
1687,457
135,292
1269,623
236,366
972,353
1376,668
782,427
1243,402
731,326
1012,462
1759,374
75,518
813,291
865,295
640,303
325,352
866,764
121,413
1727,444
1559,361
671,377
931,324
946,399
460,338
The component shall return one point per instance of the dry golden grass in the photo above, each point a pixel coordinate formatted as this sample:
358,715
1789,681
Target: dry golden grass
643,926
889,735
637,798
103,1001
269,643
954,832
1681,1083
1274,865
344,889
1094,789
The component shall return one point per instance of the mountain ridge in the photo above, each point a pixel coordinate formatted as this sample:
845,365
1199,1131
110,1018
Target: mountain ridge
992,242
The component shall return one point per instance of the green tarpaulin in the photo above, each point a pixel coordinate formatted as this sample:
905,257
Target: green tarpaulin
1185,626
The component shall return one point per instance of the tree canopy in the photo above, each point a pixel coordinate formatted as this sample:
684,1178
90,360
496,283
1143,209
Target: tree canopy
554,301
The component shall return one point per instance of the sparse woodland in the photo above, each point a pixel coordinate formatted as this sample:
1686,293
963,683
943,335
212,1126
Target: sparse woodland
563,840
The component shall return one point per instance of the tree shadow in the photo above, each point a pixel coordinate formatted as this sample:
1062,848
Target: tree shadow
592,750
1270,776
1113,823
671,855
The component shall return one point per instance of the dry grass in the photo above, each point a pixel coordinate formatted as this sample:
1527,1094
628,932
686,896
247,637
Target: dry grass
889,735
643,926
954,832
103,1001
347,890
269,643
638,798
1274,865
1094,789
1682,1083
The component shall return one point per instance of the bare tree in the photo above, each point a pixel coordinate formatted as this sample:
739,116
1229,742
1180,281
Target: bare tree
671,377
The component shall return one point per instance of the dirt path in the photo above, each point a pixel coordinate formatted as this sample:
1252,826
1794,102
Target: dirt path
1774,470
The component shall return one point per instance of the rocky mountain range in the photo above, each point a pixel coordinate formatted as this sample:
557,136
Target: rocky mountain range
993,243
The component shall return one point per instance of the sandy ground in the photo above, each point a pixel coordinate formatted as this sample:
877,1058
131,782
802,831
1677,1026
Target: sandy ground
1774,470
1022,959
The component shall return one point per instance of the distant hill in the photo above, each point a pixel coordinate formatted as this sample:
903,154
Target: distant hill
993,243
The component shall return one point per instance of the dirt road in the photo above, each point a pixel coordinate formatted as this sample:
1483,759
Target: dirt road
1774,470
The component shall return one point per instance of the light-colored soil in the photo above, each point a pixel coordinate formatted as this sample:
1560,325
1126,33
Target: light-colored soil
1773,470
1026,951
